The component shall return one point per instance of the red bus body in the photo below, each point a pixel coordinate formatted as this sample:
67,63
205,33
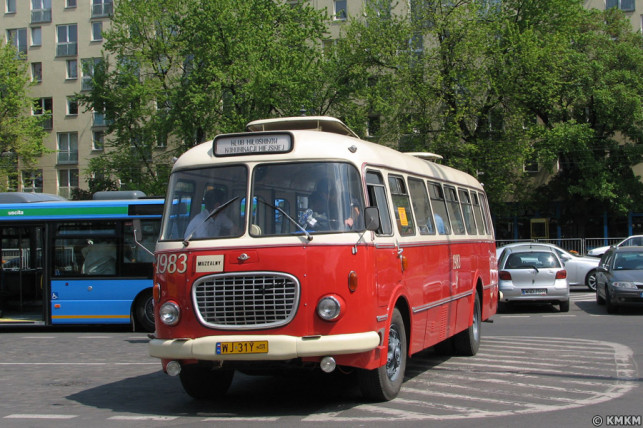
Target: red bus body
433,288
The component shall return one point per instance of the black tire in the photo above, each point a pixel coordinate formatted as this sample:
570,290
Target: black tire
144,311
385,382
612,308
564,306
599,300
590,280
203,382
467,342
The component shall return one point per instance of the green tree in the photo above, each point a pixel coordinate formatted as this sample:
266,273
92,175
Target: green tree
177,72
21,134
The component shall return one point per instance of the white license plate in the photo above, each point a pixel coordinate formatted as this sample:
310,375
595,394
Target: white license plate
534,291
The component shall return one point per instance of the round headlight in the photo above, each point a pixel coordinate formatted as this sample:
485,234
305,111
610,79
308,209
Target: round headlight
328,308
169,313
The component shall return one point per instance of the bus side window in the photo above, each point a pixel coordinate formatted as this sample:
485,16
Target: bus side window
467,211
453,206
488,225
421,207
442,223
401,206
377,198
477,212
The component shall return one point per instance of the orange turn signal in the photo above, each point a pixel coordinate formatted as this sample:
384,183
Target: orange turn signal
352,281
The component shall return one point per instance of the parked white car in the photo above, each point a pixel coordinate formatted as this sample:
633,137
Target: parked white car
632,241
580,270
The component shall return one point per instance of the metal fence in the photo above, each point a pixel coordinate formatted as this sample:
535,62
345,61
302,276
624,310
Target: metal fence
579,245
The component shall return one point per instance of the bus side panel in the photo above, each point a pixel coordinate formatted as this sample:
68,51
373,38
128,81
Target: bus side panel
94,301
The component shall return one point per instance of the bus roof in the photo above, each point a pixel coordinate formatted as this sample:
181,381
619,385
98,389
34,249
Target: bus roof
314,123
61,210
321,145
24,197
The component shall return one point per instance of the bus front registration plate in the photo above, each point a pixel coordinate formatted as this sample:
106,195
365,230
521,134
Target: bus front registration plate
249,347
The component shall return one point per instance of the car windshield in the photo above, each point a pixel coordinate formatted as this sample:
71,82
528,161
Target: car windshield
530,260
628,261
286,199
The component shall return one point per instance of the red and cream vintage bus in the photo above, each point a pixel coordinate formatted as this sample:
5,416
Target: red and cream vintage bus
297,243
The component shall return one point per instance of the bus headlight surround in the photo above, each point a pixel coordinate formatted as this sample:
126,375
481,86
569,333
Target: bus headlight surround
329,308
169,313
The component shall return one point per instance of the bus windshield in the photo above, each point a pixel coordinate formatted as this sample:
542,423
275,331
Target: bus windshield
286,199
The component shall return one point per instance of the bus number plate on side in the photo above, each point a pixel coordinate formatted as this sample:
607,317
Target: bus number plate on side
250,347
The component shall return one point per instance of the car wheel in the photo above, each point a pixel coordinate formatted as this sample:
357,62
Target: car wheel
564,306
611,306
467,342
385,382
204,382
590,280
599,299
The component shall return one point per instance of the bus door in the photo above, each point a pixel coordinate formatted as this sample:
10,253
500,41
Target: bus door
387,256
22,291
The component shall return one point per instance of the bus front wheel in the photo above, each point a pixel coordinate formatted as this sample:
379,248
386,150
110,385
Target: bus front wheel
144,311
202,382
385,382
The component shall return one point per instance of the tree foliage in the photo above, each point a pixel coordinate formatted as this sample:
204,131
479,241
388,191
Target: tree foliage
21,134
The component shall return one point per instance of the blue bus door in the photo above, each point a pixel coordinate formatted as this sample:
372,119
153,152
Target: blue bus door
22,291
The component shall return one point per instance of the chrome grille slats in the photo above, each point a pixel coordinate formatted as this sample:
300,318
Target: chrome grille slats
246,300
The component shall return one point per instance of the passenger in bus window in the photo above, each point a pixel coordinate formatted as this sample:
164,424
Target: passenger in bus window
219,225
439,223
100,258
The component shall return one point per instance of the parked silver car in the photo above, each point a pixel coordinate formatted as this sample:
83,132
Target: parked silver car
532,273
620,278
634,240
581,270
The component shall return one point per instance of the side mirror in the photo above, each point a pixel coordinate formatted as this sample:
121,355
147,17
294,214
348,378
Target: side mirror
372,218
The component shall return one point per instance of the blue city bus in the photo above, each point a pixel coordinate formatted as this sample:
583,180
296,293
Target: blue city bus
77,262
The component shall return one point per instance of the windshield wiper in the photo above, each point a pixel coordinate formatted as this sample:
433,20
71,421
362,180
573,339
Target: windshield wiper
214,212
292,220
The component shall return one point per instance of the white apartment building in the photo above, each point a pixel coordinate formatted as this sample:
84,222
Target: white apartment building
61,40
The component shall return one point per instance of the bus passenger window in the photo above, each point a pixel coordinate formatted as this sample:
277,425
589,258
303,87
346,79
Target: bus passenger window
402,206
477,213
442,223
421,207
99,258
453,206
467,211
377,197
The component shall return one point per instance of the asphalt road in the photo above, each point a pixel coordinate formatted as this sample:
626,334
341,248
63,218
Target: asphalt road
536,367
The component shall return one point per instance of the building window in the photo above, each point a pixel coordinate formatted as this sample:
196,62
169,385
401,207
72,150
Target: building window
67,182
340,12
40,11
102,8
98,142
625,5
44,107
32,181
70,3
36,72
11,6
72,69
18,38
67,44
67,148
36,36
72,106
531,166
89,65
97,31
99,120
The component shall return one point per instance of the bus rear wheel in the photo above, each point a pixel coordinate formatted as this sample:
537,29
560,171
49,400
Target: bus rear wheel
144,311
385,382
467,342
203,382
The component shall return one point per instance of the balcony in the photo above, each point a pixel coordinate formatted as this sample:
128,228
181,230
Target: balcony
40,15
67,158
102,10
67,49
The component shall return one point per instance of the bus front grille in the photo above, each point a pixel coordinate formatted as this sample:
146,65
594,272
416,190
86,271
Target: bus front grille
246,300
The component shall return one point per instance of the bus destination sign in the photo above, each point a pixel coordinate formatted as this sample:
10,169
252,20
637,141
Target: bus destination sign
252,144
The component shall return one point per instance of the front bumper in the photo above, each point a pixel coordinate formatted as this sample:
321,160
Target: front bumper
280,347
